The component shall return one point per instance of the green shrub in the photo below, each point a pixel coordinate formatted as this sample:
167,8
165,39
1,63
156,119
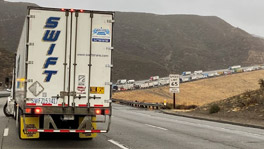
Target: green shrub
214,109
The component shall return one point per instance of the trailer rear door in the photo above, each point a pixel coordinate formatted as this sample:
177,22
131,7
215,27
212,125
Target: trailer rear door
91,59
46,56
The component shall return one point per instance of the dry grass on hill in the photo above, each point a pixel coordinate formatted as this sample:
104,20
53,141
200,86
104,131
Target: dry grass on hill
198,92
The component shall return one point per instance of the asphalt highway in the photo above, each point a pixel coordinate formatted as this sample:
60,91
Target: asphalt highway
142,129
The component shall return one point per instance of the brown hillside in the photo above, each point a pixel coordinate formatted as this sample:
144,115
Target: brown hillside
149,44
199,92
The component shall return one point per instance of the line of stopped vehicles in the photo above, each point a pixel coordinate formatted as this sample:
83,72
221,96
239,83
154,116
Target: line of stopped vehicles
187,76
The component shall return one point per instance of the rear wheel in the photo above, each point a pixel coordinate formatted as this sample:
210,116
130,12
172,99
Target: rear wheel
15,111
6,112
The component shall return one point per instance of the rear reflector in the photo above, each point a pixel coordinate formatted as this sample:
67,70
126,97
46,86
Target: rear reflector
98,111
72,10
64,130
62,9
95,131
48,130
81,10
79,131
32,130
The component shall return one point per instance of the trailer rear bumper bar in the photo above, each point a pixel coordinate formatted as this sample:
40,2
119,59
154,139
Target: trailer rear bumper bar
65,131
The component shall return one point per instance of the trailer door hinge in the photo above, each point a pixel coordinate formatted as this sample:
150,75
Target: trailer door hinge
110,21
107,101
29,80
29,62
31,16
109,48
109,65
108,83
30,44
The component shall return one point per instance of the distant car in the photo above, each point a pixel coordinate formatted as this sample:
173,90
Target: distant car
114,87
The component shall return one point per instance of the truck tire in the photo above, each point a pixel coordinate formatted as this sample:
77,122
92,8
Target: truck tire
7,114
15,111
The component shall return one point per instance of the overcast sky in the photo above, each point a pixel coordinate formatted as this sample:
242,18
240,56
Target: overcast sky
245,14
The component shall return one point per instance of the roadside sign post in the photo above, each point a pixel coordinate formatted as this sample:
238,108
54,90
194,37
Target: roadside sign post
174,86
174,104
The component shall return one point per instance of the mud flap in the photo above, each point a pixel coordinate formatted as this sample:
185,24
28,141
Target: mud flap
31,122
88,135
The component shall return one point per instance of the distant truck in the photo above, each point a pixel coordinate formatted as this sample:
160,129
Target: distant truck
186,73
131,82
198,72
164,81
154,78
121,84
184,79
63,73
234,67
122,81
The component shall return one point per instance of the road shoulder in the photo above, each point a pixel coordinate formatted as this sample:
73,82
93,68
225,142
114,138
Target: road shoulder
234,121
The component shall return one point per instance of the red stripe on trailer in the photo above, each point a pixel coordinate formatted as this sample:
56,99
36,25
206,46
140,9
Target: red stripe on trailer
48,130
80,131
82,105
95,131
32,130
64,130
98,105
31,104
47,104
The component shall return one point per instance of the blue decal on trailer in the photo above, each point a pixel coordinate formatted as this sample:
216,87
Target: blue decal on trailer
50,61
52,22
100,40
49,74
101,35
51,36
101,31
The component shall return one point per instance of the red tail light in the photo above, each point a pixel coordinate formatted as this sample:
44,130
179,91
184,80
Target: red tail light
98,111
62,9
38,110
81,10
72,10
28,110
107,111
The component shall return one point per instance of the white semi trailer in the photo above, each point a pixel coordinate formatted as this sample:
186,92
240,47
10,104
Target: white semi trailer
63,73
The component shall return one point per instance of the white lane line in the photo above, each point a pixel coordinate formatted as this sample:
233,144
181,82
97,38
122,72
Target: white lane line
220,129
6,132
118,144
156,127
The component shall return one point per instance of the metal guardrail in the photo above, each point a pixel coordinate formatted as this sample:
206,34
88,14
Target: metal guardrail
139,104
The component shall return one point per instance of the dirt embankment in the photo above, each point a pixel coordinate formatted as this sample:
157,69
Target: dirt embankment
198,92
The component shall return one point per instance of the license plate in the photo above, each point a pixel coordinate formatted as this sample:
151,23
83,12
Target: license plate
45,100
